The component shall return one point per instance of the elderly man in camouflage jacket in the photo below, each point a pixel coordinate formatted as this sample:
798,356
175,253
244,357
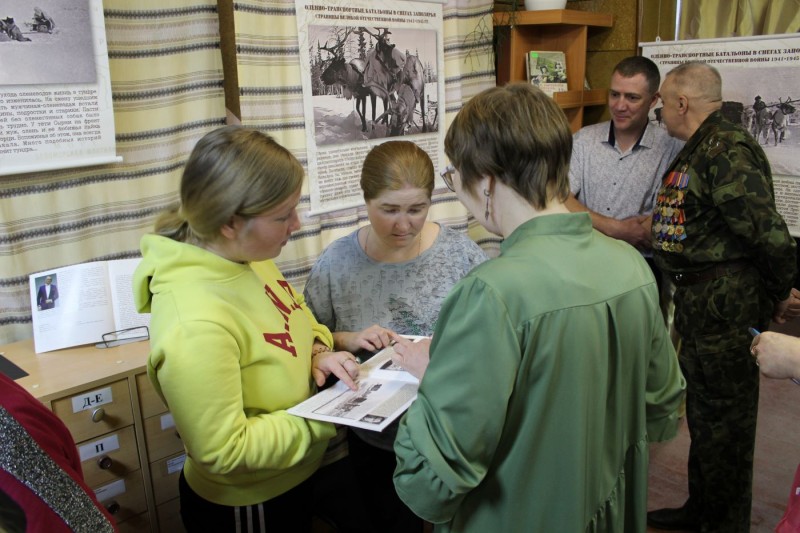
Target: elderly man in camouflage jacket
717,234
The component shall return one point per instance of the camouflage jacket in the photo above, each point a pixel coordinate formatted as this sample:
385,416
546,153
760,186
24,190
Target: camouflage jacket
717,204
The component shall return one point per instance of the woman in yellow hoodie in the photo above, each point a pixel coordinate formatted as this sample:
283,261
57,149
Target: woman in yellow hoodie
231,351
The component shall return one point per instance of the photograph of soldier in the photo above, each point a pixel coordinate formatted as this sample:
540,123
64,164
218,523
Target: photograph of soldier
766,111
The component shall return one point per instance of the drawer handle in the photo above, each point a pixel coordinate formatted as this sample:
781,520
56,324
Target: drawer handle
98,414
105,462
113,507
178,435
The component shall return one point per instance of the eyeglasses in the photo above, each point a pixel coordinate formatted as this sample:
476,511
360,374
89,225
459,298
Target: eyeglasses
447,176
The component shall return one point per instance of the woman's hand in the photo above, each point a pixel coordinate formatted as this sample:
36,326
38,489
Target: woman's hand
412,356
372,339
777,355
343,365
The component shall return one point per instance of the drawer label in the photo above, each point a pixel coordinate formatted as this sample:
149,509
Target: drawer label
99,447
109,491
175,464
89,400
167,421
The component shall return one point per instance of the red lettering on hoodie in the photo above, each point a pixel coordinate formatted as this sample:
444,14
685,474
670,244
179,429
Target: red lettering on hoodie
282,340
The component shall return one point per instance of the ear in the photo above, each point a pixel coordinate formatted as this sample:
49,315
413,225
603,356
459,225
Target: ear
485,184
654,100
683,104
230,229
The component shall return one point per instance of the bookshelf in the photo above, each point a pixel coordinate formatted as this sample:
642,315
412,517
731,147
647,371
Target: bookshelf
554,29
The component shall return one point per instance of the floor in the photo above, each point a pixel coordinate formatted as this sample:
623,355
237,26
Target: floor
776,457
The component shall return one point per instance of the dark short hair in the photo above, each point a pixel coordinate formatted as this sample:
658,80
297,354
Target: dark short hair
633,65
516,134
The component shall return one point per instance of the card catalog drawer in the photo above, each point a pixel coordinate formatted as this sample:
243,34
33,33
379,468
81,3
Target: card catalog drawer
109,457
96,411
149,400
123,497
165,474
169,517
161,437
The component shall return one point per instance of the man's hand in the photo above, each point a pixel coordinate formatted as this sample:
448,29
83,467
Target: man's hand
788,308
634,230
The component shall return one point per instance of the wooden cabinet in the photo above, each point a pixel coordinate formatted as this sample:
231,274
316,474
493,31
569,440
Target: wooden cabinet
563,30
165,453
96,411
130,452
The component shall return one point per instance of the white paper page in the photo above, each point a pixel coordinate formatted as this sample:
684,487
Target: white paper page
120,274
81,313
375,405
384,393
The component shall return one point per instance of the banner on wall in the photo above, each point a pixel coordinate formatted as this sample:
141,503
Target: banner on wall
372,71
55,89
766,67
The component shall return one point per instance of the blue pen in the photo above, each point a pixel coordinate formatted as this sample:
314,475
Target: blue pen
754,332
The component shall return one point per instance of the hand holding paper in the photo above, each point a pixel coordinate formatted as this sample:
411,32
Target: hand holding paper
383,392
413,356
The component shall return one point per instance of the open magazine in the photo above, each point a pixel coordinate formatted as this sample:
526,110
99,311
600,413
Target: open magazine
384,392
85,303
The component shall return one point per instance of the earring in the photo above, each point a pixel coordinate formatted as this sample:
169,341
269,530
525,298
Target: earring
488,195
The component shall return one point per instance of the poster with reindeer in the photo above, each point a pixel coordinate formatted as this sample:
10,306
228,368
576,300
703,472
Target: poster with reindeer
760,92
371,71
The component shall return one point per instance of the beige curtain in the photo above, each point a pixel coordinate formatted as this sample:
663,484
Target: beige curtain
168,91
708,19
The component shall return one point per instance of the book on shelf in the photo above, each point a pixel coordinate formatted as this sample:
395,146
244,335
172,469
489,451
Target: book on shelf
85,303
384,393
547,70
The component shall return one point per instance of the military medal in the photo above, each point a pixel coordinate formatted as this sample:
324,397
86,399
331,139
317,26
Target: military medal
668,214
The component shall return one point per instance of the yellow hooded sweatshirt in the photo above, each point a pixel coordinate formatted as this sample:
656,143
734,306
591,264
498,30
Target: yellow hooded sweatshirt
230,352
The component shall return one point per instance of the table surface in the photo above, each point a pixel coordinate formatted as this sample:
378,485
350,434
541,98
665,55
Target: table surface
58,373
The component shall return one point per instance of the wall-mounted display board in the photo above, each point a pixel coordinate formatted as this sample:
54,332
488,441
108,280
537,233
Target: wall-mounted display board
754,69
55,87
372,71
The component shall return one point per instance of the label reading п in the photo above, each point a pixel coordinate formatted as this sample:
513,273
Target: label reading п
99,447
